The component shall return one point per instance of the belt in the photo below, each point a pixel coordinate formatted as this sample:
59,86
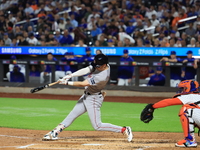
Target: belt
92,94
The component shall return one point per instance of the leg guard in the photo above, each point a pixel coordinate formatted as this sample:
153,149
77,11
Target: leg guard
187,124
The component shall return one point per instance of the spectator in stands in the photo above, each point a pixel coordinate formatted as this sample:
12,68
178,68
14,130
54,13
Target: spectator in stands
17,31
62,24
41,13
7,40
68,24
185,38
73,21
150,12
175,72
190,31
172,42
34,5
127,43
192,42
122,35
130,28
51,40
88,57
149,28
40,24
2,42
30,30
102,40
14,42
27,24
139,25
58,36
12,18
32,40
125,72
156,42
28,9
22,41
112,29
163,22
95,31
179,43
175,21
147,43
34,72
110,43
66,39
154,20
188,73
45,76
139,42
138,15
197,29
81,43
16,75
158,79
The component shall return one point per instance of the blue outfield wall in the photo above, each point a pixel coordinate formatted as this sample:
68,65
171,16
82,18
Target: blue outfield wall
113,51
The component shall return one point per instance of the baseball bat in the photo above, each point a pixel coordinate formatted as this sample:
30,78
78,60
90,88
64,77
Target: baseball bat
42,87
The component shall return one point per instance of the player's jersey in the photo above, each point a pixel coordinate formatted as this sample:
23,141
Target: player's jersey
98,80
189,98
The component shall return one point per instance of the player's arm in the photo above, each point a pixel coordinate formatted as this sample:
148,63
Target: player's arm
147,113
172,60
167,102
79,83
80,72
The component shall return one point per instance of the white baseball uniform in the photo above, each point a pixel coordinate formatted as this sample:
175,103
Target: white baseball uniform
194,113
91,102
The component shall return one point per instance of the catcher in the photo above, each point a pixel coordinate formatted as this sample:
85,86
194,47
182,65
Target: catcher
189,97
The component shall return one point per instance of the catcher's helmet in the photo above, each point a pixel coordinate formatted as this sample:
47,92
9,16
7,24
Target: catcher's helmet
188,86
100,60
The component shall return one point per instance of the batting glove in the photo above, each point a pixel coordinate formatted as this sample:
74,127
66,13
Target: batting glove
62,81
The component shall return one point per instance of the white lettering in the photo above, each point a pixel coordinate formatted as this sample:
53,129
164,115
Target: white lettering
146,52
11,50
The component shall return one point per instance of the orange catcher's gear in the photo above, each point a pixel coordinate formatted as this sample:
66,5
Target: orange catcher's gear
188,86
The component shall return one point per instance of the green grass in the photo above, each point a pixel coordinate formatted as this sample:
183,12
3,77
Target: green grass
39,114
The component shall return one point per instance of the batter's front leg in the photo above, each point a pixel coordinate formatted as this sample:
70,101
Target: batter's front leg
78,110
93,104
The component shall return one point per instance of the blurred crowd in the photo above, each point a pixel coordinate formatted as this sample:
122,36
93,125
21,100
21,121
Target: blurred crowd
122,23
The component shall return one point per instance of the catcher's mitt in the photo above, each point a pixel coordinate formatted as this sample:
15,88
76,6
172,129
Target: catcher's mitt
147,113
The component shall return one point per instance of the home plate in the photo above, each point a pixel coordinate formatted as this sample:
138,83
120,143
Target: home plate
93,144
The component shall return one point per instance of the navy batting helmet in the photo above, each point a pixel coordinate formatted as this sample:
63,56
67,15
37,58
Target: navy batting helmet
100,59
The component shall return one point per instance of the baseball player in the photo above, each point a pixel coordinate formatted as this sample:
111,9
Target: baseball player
189,98
91,100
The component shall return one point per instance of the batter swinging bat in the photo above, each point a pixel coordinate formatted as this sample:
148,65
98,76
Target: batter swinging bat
42,87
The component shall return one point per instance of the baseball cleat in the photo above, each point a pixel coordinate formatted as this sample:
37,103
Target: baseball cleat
51,136
186,143
128,133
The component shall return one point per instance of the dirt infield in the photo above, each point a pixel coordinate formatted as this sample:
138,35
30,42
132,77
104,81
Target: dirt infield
12,139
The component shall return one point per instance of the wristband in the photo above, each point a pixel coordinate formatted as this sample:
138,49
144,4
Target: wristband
70,83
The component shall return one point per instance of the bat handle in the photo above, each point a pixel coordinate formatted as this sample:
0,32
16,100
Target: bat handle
53,83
